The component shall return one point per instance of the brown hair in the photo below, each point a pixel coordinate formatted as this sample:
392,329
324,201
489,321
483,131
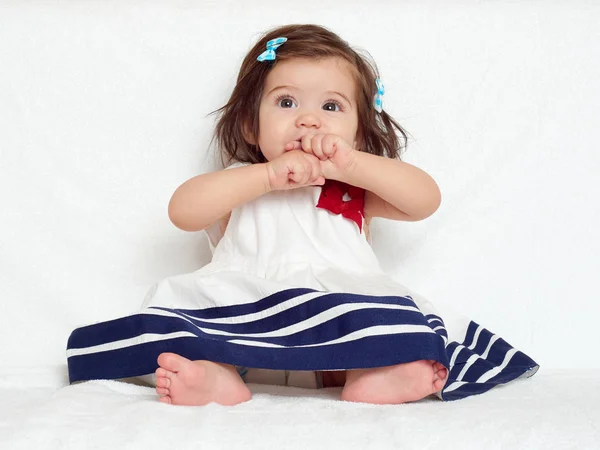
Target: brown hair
378,133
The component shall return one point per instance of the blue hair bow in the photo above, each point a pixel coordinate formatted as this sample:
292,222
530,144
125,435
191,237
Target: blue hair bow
378,101
269,53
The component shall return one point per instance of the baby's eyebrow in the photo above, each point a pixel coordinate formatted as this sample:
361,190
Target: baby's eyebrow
285,86
341,95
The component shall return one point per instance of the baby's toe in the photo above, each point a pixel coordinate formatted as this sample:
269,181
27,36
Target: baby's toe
438,384
439,371
443,374
162,391
161,373
163,382
165,399
440,375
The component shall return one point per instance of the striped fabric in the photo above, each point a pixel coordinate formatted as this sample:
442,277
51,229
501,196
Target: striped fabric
297,329
483,360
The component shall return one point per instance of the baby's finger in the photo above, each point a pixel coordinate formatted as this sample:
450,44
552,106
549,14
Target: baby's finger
315,174
295,176
329,145
293,145
316,145
318,180
302,173
307,143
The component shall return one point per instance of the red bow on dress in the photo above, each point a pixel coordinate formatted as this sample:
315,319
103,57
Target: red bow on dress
332,199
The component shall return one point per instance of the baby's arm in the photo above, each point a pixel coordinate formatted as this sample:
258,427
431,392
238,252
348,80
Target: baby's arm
395,189
206,198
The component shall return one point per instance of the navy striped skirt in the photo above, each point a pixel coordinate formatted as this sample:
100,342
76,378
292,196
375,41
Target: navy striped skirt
298,329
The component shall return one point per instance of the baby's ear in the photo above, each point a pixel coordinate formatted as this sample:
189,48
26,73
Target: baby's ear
248,134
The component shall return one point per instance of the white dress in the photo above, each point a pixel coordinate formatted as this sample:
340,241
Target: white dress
293,287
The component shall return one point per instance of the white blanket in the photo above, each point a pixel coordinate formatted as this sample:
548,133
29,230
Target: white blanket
553,410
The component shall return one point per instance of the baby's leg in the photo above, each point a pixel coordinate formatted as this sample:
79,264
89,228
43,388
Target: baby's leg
395,384
180,381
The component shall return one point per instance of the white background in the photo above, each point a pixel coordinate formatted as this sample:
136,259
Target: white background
103,113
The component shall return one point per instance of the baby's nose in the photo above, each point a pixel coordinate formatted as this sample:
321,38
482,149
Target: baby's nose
308,120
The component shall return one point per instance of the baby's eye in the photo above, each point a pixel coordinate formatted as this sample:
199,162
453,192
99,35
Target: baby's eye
332,106
286,102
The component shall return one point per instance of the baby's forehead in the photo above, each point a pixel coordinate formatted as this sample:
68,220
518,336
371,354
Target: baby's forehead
312,74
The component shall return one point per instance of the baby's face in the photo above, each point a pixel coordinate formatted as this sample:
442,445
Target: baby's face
305,96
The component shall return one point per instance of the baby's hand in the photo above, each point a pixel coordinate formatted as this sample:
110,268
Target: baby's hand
335,154
294,169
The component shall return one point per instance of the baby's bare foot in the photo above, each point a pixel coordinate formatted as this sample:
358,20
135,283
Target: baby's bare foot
395,384
180,381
